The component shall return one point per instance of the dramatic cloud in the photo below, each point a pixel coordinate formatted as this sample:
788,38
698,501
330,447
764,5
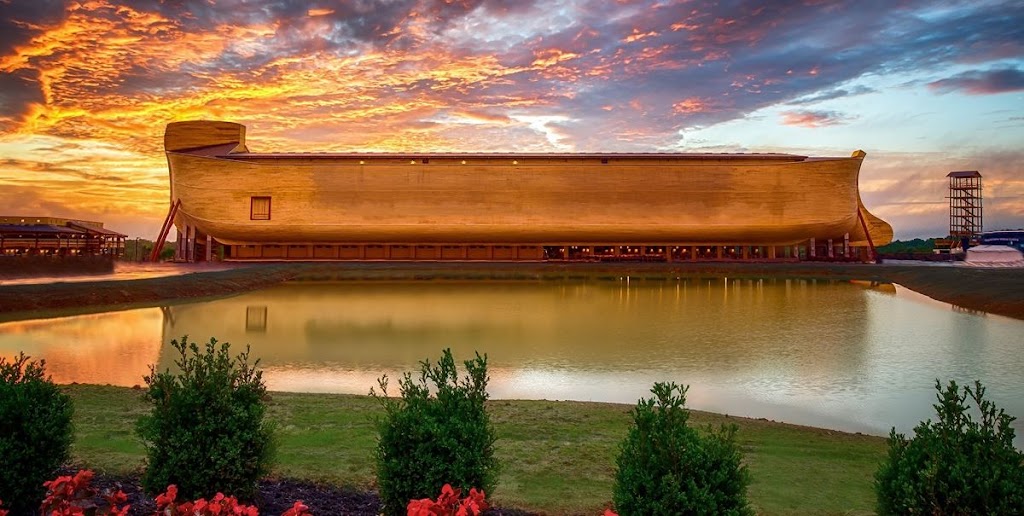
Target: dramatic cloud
436,75
982,83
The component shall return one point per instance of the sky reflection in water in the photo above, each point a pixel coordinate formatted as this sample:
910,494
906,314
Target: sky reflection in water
847,356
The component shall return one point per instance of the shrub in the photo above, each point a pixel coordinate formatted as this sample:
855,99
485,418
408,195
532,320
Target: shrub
35,431
426,441
957,465
667,467
206,432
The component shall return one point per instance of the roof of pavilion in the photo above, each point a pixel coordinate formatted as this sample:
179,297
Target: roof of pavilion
71,229
95,230
38,229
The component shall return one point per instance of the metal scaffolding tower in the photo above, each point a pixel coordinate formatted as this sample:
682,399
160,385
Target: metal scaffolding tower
965,213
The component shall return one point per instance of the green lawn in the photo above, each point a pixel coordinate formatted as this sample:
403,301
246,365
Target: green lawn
556,457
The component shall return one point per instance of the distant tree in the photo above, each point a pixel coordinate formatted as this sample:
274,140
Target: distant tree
168,251
916,245
137,249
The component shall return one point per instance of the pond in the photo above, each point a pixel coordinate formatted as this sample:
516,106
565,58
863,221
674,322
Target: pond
842,355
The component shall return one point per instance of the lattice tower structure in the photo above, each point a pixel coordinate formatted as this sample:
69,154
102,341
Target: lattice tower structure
965,204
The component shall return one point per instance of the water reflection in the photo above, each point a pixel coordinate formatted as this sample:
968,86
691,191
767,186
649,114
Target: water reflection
726,329
857,356
113,348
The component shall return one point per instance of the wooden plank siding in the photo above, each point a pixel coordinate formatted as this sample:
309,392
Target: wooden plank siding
506,206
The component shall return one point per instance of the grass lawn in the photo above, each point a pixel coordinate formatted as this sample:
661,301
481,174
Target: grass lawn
556,457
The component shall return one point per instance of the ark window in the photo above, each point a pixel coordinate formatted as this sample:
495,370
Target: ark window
259,208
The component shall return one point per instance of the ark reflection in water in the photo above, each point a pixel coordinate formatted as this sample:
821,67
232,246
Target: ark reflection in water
849,356
838,355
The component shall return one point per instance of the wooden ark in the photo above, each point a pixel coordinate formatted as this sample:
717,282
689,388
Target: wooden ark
514,206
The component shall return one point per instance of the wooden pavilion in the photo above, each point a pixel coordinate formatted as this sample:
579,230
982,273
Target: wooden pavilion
51,236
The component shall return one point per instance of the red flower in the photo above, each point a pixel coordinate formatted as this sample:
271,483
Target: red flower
449,497
299,509
200,505
83,478
163,500
66,495
115,499
449,504
114,511
609,512
423,507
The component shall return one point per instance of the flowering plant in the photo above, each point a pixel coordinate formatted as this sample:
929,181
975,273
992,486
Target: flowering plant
71,496
298,509
2,512
449,504
167,505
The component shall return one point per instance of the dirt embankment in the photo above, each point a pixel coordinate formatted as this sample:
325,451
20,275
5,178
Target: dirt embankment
998,291
57,299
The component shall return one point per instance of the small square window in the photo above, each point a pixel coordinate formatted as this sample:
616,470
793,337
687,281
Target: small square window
259,208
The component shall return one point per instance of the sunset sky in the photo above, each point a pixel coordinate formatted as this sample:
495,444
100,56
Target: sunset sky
924,87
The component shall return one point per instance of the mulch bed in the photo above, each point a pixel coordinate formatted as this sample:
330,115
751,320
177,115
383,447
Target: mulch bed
274,497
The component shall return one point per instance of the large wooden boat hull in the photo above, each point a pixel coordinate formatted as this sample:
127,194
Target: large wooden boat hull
556,199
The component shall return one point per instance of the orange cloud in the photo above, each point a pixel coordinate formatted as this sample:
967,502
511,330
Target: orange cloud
690,105
551,57
812,119
636,35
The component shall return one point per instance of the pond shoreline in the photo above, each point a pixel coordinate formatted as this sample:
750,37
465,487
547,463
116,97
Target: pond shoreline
996,291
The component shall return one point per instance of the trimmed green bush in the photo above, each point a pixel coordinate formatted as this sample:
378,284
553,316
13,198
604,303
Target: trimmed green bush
206,432
35,432
666,467
425,442
957,465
